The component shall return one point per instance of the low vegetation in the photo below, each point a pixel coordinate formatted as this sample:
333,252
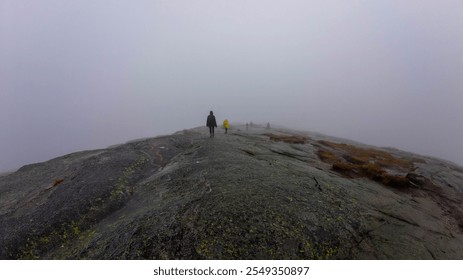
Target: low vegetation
358,162
357,155
291,139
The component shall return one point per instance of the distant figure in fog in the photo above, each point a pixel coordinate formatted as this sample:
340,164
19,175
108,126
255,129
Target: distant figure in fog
268,126
211,123
226,125
247,126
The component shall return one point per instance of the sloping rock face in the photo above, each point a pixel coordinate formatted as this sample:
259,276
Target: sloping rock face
236,196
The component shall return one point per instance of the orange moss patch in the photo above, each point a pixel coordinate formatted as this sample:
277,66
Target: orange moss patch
345,168
292,139
327,156
371,171
358,162
353,159
382,158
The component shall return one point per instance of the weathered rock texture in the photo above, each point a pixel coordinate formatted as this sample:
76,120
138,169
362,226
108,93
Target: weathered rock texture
257,194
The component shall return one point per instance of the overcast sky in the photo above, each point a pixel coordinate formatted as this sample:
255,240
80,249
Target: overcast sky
86,74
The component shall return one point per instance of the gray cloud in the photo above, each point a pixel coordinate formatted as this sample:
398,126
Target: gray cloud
86,74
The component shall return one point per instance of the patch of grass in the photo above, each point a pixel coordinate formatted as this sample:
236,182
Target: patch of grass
345,167
373,171
363,155
327,156
291,139
357,162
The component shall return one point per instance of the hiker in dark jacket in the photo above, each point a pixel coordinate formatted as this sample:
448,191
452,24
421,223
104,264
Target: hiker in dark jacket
211,123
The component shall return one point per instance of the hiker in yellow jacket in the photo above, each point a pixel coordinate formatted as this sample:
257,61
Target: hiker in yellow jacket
226,125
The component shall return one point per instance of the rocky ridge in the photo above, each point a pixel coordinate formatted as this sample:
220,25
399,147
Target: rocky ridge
250,194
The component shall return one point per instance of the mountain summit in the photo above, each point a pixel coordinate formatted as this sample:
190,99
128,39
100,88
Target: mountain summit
249,194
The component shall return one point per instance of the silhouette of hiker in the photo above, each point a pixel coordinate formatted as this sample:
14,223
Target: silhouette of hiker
226,125
211,123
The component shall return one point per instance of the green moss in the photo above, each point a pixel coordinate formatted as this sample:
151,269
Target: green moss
35,246
75,228
44,240
319,251
206,248
67,231
122,187
29,251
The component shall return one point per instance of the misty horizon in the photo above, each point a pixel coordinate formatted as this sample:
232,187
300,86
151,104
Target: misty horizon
89,74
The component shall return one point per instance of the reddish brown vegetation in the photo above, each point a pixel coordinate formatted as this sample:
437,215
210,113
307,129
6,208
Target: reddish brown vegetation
292,139
327,156
382,158
357,162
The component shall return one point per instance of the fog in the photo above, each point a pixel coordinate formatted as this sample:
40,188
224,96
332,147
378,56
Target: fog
86,74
